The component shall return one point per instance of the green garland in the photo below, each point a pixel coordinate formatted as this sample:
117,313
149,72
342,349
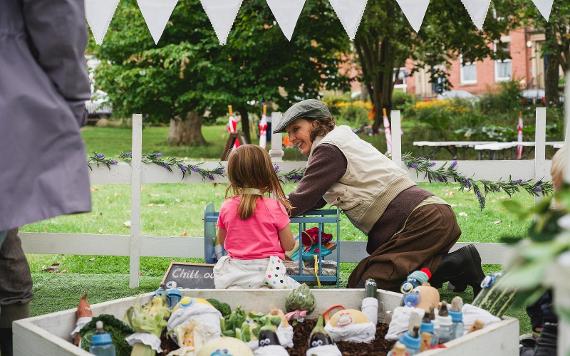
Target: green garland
443,174
448,173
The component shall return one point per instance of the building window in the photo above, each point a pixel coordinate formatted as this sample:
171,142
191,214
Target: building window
400,79
503,67
468,72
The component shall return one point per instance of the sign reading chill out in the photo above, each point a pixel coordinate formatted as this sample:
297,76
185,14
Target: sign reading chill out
189,275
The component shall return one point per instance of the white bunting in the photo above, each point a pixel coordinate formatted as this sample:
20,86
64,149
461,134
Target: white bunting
222,14
350,14
286,13
544,6
156,14
477,9
99,14
415,11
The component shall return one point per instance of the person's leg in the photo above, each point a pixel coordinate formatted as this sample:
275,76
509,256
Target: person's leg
15,288
429,233
8,314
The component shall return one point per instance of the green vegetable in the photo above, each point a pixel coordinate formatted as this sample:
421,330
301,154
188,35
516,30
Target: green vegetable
370,288
223,308
245,332
300,298
118,330
150,318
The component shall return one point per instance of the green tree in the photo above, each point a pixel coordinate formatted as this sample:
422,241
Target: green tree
556,45
189,75
385,40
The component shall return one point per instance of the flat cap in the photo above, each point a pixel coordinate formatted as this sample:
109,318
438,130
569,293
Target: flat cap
306,109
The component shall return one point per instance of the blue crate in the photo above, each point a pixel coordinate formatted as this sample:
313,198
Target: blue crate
318,217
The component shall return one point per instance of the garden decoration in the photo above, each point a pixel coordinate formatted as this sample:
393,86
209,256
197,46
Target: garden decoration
311,267
456,313
224,346
427,331
415,279
118,330
320,342
349,325
443,174
443,324
147,321
83,316
411,339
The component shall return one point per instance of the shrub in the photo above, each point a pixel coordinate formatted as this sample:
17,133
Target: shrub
401,100
507,100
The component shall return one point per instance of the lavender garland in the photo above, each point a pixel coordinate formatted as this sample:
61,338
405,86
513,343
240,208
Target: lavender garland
443,174
448,173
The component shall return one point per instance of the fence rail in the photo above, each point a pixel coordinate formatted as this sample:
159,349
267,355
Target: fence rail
136,174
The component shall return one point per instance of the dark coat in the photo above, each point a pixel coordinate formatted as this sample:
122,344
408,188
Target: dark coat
43,88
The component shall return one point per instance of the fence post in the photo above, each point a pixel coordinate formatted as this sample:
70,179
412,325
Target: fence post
276,152
396,137
539,145
136,172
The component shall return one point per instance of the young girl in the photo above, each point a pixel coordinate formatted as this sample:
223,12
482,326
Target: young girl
253,228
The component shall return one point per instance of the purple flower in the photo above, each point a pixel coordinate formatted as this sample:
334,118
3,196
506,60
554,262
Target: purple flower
431,164
194,169
453,164
518,181
413,165
99,156
537,189
112,162
210,176
276,168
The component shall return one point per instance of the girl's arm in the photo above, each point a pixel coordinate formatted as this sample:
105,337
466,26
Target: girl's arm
286,238
221,236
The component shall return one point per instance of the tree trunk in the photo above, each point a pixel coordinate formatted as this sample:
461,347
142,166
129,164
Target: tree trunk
552,74
187,132
245,124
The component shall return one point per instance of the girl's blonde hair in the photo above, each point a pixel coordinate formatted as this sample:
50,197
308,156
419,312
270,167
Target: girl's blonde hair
250,169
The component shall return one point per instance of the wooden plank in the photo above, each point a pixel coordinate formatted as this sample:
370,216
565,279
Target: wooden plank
190,247
136,173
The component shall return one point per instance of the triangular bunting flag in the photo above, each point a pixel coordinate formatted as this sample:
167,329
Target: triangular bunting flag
222,14
350,13
544,6
99,14
156,14
477,9
286,13
415,11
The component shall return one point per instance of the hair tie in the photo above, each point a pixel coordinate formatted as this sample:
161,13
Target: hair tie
252,191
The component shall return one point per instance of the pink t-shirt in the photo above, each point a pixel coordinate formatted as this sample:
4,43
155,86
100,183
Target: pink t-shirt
257,236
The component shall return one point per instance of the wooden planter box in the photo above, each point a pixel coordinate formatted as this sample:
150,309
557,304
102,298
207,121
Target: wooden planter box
49,334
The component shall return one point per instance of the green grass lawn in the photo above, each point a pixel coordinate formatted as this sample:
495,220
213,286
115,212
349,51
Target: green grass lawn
177,209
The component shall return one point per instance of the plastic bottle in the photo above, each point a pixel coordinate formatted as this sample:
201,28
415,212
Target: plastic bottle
411,340
456,313
398,350
443,324
101,342
427,332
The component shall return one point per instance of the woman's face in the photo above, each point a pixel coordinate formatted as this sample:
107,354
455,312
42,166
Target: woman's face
299,132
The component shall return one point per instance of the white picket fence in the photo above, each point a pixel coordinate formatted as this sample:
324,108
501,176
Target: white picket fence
136,174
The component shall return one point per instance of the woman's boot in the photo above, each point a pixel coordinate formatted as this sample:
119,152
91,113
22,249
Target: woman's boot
461,268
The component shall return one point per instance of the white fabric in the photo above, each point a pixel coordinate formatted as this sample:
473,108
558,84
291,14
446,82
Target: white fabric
285,335
286,13
477,10
271,350
350,14
414,10
80,323
232,273
222,15
326,350
365,332
99,14
146,339
472,313
206,320
156,14
544,6
370,309
401,319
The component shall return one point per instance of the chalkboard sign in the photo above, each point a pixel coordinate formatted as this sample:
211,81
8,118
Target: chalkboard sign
189,275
